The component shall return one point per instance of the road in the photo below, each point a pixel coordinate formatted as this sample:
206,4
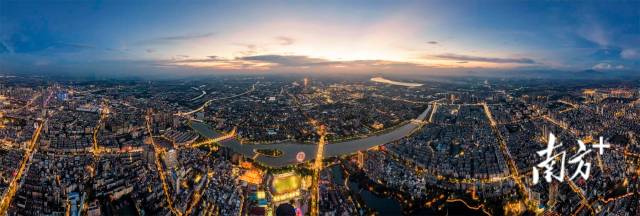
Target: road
13,186
513,169
25,163
158,153
317,167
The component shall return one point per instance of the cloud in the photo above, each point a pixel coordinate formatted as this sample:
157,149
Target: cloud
118,49
607,66
150,50
74,45
176,38
208,59
608,53
432,42
185,37
306,61
250,49
458,57
630,54
4,48
285,41
289,63
50,47
595,33
286,60
280,60
214,62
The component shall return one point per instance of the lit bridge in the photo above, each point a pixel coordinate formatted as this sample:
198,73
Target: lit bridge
230,135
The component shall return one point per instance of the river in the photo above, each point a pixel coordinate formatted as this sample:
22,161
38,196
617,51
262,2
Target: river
290,149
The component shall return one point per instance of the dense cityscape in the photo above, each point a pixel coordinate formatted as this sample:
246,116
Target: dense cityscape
249,145
319,108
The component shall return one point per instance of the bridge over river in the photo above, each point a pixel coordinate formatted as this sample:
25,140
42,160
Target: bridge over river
290,149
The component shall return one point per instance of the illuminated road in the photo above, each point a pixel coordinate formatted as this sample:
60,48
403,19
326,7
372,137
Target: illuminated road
583,200
158,153
560,124
317,167
103,115
399,99
477,208
33,99
25,163
433,111
13,186
513,169
568,103
197,195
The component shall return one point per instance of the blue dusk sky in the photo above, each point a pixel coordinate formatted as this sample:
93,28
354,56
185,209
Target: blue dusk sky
415,37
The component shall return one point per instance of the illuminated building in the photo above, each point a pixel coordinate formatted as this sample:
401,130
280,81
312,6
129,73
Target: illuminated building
360,161
285,186
171,159
252,176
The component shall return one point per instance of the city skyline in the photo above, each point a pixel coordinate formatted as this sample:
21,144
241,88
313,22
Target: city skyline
355,37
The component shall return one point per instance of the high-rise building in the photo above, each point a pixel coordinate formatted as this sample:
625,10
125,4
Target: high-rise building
171,159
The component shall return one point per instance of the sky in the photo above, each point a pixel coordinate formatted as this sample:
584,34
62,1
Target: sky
160,38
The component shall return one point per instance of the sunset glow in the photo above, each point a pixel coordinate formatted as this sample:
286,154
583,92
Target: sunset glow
432,37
